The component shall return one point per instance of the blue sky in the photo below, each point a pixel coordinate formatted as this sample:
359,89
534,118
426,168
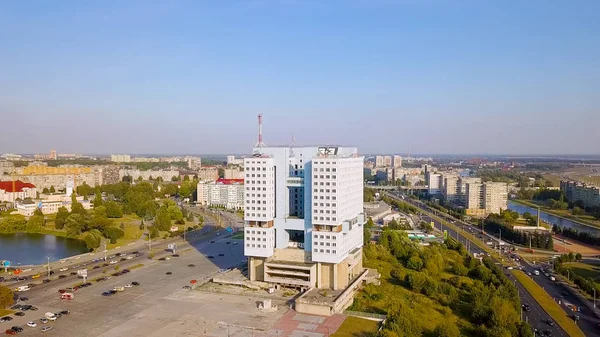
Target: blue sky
425,76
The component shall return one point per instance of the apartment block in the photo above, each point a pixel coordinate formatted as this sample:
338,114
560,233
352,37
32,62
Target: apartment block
397,161
208,173
228,193
233,173
120,158
485,198
574,191
303,212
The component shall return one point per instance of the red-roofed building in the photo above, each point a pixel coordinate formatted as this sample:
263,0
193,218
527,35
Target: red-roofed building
228,193
230,181
11,191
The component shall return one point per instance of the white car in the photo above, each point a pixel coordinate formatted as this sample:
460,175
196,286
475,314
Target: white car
128,286
63,269
32,324
167,258
46,328
113,262
129,257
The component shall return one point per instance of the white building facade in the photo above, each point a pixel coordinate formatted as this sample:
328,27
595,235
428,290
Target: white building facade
303,212
227,193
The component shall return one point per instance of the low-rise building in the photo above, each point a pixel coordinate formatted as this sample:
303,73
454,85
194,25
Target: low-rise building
51,205
11,191
228,193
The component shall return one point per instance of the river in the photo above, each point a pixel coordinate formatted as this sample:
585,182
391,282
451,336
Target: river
552,219
26,249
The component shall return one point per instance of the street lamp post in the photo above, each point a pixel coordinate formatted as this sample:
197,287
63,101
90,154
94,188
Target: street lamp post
48,257
594,298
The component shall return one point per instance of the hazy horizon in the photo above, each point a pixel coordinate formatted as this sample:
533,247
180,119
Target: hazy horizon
435,76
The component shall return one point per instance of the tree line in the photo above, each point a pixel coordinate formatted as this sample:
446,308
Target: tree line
586,284
574,234
495,223
447,274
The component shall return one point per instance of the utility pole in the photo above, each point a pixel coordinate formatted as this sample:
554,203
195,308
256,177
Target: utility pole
594,298
105,251
48,257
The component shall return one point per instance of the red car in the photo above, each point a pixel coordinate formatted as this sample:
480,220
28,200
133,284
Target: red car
11,332
61,291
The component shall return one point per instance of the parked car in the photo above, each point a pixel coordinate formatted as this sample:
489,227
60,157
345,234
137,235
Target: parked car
135,283
10,332
20,314
31,324
46,328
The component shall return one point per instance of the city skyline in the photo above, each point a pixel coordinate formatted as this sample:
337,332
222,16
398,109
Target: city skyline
433,77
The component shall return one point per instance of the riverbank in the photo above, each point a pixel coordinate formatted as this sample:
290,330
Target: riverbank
559,214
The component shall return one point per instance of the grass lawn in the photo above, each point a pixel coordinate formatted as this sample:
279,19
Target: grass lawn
546,302
51,231
585,270
132,230
4,312
356,327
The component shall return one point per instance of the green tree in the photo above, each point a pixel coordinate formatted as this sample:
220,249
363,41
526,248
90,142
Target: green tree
163,220
154,232
84,189
367,231
61,217
113,210
93,239
52,189
175,213
98,201
414,263
446,328
35,224
6,297
577,211
77,207
45,190
74,225
113,233
38,212
578,257
142,225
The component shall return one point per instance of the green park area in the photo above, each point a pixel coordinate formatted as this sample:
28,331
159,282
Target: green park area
551,307
357,327
239,235
585,270
438,290
120,214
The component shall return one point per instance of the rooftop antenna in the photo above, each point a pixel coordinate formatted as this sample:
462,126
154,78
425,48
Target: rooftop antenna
260,143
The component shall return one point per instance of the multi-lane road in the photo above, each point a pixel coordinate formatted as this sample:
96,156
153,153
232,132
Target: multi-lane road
588,321
536,316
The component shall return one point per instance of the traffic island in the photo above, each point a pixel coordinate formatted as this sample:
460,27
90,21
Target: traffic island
548,304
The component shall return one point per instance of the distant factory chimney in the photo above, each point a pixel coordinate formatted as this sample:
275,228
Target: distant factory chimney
260,143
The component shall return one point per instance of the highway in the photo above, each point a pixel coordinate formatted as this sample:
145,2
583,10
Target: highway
588,321
536,316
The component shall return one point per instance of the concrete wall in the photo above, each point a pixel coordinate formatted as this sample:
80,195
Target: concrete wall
313,309
325,275
256,268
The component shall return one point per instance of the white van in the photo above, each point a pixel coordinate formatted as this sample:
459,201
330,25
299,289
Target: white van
536,272
22,288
